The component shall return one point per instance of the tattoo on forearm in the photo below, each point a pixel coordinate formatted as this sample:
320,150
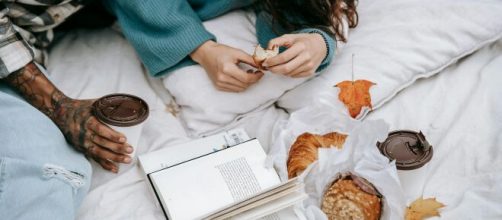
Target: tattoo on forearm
22,80
73,117
68,114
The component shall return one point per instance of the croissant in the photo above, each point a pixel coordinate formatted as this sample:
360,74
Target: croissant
304,151
352,197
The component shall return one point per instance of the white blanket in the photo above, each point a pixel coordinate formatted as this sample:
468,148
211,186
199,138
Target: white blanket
460,111
395,43
90,64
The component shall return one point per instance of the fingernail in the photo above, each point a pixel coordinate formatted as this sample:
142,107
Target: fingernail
127,159
115,170
129,149
122,139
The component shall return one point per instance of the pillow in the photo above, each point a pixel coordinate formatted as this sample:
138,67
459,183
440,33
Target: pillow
205,109
398,42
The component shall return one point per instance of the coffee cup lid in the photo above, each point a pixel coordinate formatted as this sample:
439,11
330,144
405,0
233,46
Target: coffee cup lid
410,149
120,110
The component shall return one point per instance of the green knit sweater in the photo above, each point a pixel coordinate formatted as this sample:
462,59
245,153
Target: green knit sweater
165,32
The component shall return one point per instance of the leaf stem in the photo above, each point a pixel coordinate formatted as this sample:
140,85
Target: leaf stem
353,68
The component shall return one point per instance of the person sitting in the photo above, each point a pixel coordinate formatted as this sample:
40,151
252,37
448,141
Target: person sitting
169,35
42,173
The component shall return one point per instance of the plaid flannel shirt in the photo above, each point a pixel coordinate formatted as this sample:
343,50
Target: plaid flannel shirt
26,30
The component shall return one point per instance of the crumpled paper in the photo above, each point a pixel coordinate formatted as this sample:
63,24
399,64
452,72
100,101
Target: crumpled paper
322,116
359,156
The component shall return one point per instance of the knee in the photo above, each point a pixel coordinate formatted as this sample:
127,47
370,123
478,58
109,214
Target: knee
23,184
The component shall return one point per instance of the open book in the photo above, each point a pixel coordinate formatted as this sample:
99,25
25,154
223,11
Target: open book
224,177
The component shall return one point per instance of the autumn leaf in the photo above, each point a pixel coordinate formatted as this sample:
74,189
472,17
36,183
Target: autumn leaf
355,95
423,208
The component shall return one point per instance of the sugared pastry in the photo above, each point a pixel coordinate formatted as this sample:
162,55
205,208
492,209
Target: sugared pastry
351,197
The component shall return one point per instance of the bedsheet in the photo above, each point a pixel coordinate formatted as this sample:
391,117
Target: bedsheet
460,111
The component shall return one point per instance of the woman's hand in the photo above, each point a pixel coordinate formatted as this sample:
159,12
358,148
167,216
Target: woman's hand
304,54
220,63
73,117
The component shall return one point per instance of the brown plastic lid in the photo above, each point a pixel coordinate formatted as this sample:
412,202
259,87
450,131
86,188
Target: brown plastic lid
410,149
121,110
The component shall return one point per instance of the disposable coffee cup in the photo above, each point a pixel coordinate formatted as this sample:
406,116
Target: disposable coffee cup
412,152
123,113
413,181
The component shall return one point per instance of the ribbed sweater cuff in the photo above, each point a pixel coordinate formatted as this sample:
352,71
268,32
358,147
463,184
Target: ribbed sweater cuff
193,38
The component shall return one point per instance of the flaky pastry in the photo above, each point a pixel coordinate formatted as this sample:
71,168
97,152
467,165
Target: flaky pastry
304,151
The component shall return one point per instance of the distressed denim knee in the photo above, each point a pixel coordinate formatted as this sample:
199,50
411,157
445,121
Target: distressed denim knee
41,175
39,191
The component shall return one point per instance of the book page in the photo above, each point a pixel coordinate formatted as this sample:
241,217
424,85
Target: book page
264,206
285,214
191,190
262,197
275,205
172,155
239,178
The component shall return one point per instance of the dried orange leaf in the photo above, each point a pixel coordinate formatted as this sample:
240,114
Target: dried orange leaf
423,208
355,95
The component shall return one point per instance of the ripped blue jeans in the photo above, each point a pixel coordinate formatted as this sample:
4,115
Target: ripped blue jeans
41,175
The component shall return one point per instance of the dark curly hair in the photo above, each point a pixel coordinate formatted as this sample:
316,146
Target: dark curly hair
326,15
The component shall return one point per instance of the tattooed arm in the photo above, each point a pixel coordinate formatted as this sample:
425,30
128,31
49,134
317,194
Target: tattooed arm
73,117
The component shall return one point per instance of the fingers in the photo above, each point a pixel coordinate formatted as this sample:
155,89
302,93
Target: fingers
108,165
245,58
303,74
107,144
227,79
122,148
284,41
233,79
301,59
225,73
230,84
229,87
291,66
242,76
285,56
104,131
307,69
250,71
101,152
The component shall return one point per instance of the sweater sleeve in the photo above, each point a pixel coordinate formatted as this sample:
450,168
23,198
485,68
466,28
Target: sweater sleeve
163,32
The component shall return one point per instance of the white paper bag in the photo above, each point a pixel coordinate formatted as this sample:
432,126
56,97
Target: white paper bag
359,156
325,114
